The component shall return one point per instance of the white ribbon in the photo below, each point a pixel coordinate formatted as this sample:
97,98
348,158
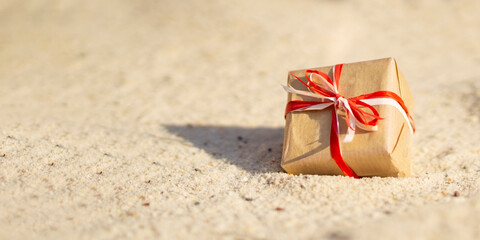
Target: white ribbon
390,102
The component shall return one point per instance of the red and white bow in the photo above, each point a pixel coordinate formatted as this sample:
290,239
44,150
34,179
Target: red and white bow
324,89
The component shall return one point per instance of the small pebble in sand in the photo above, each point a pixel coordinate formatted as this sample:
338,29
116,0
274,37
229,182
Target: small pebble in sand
279,209
4,155
146,204
131,214
456,194
248,199
100,173
339,236
148,181
196,203
51,164
240,138
269,149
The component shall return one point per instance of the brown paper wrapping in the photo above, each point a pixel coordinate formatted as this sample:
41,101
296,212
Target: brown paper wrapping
381,153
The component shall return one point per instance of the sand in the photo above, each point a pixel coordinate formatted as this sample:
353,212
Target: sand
164,119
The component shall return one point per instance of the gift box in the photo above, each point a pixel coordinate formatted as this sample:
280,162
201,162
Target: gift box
349,119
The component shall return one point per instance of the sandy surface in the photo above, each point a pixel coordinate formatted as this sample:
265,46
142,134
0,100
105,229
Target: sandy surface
164,119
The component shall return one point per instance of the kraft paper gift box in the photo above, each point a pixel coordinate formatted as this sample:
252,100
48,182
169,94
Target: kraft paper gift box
385,152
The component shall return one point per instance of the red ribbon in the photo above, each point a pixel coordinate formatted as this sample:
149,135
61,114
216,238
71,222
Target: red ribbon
369,118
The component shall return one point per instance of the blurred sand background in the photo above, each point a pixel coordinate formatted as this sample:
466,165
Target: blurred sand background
164,119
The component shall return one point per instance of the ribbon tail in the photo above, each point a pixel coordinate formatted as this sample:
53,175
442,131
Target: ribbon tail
335,147
351,122
393,103
350,130
290,89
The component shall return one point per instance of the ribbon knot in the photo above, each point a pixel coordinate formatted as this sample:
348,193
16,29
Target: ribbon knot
359,111
338,96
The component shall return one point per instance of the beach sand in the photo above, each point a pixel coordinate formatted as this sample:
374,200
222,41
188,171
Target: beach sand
164,119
